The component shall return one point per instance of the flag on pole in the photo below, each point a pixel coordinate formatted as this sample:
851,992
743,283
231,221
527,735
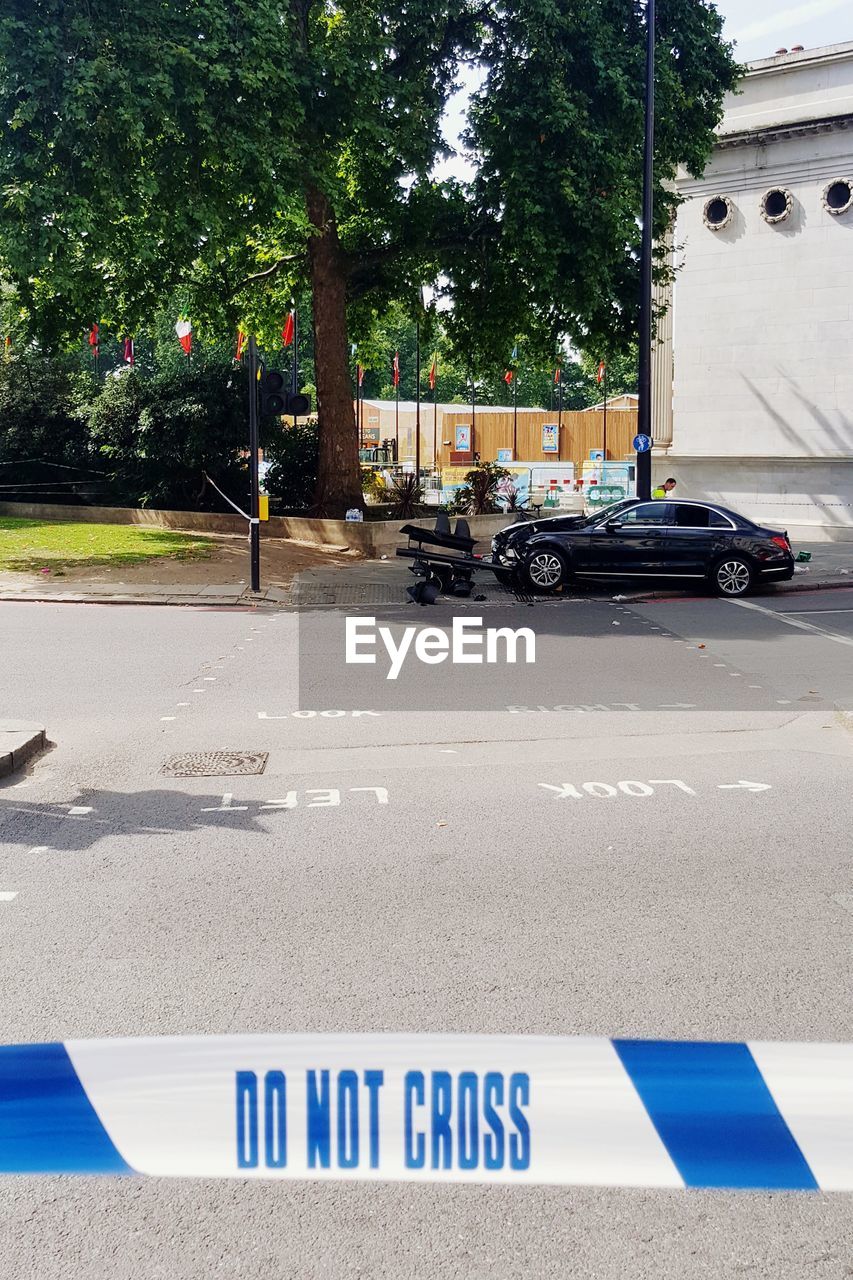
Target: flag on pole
359,370
128,351
558,374
184,330
94,340
287,331
396,374
433,373
510,373
7,345
241,342
600,374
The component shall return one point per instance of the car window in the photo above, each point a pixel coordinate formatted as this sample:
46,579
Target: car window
649,513
716,520
692,517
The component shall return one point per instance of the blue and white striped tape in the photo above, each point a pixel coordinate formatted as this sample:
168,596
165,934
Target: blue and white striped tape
526,1109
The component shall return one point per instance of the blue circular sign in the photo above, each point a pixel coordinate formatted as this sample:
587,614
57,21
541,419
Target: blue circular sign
642,444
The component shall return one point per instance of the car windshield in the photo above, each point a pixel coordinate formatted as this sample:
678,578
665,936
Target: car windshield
607,513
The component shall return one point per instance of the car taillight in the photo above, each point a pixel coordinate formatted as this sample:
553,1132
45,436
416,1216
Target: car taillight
781,542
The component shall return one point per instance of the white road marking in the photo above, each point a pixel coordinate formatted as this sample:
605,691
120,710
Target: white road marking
38,848
199,691
783,702
182,704
801,611
226,805
607,790
743,785
79,810
676,706
213,678
755,686
795,622
8,895
168,717
721,664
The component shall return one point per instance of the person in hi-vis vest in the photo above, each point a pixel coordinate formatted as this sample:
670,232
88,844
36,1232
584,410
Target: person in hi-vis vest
665,489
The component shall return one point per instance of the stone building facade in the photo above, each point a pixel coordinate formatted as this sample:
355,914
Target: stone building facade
753,371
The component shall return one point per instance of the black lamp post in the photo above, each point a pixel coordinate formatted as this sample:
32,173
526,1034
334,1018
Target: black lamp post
644,407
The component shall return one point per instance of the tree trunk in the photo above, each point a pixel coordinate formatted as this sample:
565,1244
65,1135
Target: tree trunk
338,473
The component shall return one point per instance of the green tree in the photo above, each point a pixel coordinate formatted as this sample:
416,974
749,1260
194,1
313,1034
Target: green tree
233,152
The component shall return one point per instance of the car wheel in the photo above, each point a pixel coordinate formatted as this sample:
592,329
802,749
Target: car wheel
545,570
732,577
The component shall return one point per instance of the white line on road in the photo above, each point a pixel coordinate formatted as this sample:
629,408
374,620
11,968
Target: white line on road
182,704
38,848
794,622
799,611
168,717
742,782
213,678
79,810
8,895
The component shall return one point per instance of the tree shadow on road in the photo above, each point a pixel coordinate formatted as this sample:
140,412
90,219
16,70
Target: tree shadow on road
87,817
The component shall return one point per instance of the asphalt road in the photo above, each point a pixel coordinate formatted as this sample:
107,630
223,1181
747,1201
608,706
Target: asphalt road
509,884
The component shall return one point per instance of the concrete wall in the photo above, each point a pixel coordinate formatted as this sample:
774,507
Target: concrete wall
804,496
763,313
372,538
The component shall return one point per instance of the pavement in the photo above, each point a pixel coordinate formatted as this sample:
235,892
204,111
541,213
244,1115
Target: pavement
644,833
375,582
19,741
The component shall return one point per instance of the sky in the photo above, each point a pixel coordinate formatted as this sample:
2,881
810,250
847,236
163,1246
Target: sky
759,28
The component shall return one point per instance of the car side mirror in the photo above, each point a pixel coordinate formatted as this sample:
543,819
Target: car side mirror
612,525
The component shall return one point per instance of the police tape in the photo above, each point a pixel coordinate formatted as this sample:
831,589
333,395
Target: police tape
438,1108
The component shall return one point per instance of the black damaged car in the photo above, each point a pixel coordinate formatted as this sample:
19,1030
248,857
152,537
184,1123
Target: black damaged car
697,541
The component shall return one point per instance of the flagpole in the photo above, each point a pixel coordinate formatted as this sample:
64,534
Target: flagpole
294,376
473,411
435,418
515,416
604,442
418,399
644,387
559,411
397,413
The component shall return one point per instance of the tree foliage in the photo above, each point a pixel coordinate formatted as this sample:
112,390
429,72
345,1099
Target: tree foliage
232,153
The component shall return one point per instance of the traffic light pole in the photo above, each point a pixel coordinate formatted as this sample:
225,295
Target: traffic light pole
255,525
644,407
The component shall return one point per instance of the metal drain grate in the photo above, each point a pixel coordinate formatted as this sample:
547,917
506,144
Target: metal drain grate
215,764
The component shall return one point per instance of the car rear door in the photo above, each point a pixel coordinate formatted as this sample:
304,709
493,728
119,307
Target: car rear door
697,535
632,544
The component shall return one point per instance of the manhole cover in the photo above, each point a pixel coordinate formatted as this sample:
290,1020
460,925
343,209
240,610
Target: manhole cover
215,764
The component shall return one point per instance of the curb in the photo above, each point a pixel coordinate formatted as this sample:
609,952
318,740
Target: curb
18,743
261,601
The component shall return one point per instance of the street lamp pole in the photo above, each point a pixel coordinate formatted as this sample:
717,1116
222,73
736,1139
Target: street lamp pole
644,414
254,524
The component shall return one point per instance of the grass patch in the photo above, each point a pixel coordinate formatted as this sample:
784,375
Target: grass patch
29,546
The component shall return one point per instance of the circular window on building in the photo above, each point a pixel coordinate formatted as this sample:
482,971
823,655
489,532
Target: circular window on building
776,204
717,212
838,195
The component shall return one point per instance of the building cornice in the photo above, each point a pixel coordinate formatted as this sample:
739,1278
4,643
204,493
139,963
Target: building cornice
783,132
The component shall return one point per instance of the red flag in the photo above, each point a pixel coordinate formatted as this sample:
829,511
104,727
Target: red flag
359,374
433,373
128,351
94,340
287,331
396,375
508,377
600,374
241,342
558,373
184,330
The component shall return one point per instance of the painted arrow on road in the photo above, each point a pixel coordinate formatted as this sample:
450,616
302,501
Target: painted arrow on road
743,785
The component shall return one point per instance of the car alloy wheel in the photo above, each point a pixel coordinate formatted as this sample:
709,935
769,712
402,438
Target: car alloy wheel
733,577
544,570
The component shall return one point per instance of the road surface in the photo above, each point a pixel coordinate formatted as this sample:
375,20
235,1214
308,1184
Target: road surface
644,833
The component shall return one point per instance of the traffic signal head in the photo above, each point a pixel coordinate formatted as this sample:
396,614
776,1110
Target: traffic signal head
277,400
273,393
